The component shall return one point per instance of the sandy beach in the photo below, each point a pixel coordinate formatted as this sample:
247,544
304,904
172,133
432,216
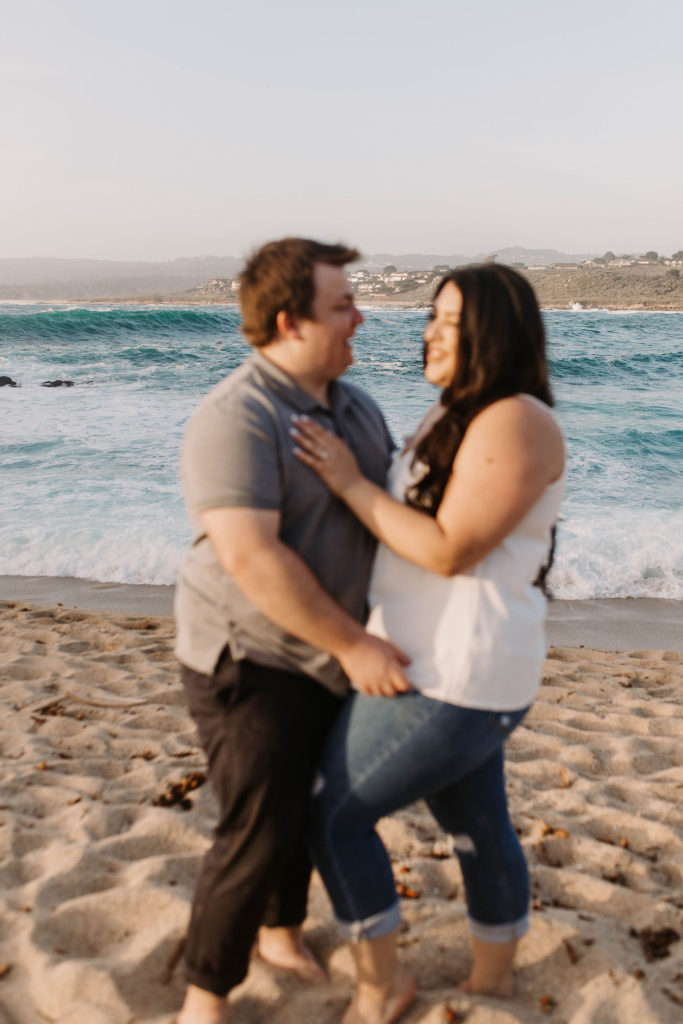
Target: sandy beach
104,820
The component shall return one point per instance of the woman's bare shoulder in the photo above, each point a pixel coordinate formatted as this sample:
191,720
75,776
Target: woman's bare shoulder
519,424
522,410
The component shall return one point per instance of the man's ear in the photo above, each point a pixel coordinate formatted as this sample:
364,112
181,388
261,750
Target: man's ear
287,326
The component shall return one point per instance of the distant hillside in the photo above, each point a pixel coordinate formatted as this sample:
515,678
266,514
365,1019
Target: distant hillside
41,278
420,261
636,287
46,278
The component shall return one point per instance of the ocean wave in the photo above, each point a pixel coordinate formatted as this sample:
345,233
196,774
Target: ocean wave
619,553
600,553
638,369
135,554
91,486
78,324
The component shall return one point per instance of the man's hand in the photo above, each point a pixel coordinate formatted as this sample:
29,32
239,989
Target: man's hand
283,587
375,667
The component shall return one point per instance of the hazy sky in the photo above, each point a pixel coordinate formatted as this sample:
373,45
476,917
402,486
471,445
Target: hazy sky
152,129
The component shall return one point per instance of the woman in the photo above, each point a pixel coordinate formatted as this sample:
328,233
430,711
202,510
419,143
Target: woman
464,531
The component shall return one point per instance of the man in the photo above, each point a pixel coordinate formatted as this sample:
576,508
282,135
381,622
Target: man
270,605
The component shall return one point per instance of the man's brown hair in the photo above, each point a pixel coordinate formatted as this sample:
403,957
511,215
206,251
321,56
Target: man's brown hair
279,276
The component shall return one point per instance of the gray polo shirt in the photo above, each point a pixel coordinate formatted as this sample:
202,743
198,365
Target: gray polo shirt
238,452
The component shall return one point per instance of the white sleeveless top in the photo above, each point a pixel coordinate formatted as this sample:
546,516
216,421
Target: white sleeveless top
476,639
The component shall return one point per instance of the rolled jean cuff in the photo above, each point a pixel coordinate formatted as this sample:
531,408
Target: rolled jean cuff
499,932
373,927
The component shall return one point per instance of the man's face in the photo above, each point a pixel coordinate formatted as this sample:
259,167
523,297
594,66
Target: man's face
333,323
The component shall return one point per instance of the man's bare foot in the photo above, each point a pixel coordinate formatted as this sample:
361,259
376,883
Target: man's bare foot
285,948
202,1007
372,1006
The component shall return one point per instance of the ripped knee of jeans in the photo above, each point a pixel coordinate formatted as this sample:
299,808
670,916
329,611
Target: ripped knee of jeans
463,844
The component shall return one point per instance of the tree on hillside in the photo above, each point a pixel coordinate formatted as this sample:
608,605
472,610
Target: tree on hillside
609,256
678,255
389,269
651,255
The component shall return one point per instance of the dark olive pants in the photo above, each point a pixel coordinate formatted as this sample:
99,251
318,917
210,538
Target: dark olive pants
262,730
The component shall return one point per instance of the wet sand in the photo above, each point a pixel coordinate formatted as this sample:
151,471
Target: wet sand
614,624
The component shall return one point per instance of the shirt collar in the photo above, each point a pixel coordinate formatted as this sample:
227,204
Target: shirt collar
287,388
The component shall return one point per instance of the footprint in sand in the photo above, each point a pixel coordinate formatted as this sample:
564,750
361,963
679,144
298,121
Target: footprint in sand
141,625
164,833
91,874
120,928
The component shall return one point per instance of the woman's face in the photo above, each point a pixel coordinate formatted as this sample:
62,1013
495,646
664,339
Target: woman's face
441,336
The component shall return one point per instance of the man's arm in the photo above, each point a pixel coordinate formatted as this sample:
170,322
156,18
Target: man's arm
282,586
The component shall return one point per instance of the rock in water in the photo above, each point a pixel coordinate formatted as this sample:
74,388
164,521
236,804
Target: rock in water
57,384
7,382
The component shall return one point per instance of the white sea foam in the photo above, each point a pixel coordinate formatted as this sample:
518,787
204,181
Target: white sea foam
622,553
625,555
133,554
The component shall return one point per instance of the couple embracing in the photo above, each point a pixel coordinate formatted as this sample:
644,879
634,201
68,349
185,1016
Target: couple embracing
291,480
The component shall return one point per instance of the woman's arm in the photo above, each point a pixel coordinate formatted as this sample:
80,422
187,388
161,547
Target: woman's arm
510,453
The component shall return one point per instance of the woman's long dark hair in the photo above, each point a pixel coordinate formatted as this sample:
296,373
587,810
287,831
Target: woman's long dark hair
501,352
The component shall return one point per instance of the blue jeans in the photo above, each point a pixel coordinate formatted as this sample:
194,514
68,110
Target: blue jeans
382,754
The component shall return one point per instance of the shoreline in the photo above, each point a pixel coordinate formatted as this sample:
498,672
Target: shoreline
403,304
601,624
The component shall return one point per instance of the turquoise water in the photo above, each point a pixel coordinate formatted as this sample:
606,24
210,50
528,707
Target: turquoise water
89,473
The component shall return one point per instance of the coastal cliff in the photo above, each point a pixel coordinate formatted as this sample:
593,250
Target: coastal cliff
634,287
639,286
